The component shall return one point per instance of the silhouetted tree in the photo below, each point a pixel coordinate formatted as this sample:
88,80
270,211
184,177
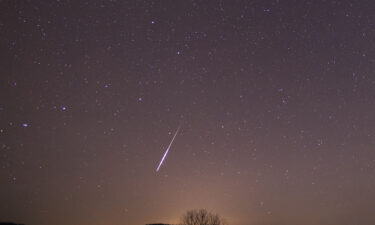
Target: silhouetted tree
201,217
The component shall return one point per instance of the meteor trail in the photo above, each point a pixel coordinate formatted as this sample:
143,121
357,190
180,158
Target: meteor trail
166,152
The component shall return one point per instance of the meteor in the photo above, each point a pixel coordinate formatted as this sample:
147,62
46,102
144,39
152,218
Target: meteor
166,151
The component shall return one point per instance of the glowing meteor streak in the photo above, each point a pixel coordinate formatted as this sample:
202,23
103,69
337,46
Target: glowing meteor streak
166,152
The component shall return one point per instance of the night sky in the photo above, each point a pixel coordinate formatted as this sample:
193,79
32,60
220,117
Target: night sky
275,101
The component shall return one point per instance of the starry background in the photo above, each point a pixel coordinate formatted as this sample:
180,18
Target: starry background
276,102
